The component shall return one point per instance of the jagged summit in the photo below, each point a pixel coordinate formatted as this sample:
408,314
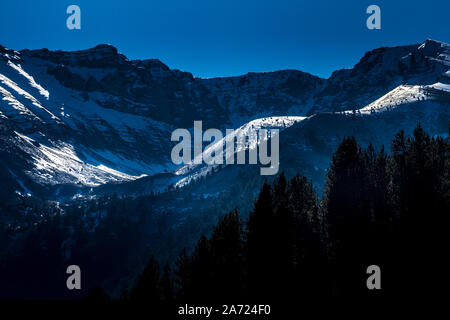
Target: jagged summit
100,48
436,50
435,42
102,55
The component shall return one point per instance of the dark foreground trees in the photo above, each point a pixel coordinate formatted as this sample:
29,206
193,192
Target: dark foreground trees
389,210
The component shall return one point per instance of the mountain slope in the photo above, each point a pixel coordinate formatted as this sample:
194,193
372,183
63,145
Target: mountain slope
76,120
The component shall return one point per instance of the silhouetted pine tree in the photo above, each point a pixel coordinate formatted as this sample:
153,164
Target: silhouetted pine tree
147,288
167,289
200,286
261,248
309,245
182,276
227,261
348,216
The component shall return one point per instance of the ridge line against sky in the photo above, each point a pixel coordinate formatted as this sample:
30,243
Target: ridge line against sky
227,38
199,77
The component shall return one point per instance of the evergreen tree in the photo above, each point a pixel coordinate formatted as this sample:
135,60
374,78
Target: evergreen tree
182,275
348,216
261,248
148,288
167,289
227,258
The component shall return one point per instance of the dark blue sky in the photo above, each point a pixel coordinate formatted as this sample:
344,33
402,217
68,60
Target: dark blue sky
219,38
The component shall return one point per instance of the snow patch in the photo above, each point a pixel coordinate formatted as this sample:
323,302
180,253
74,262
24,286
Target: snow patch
441,86
398,96
31,80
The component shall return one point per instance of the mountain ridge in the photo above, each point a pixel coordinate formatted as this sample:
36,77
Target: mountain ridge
113,116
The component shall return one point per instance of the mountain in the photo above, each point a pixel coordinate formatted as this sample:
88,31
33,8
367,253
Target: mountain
93,121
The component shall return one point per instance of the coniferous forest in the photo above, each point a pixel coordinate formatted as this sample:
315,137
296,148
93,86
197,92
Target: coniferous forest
388,209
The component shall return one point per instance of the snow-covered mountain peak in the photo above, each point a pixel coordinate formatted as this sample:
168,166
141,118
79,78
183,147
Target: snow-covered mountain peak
430,47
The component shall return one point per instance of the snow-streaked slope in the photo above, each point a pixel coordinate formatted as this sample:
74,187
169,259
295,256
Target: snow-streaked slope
25,97
31,80
404,94
197,169
60,164
105,145
400,95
